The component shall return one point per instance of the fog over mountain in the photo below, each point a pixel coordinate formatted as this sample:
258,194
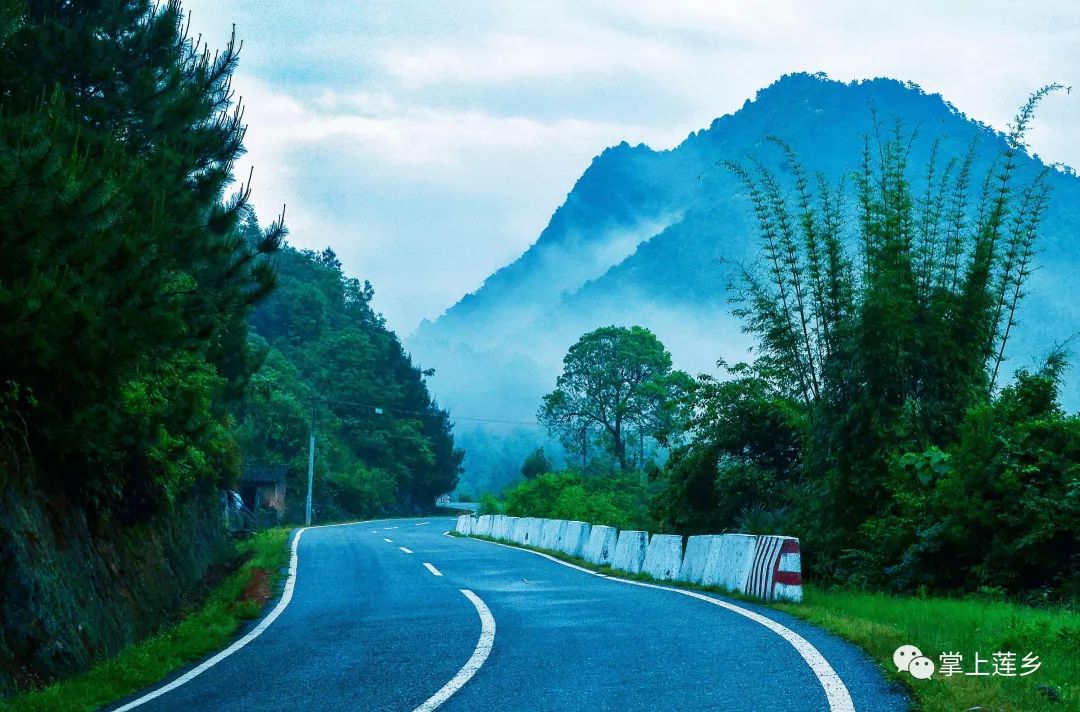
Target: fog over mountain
653,238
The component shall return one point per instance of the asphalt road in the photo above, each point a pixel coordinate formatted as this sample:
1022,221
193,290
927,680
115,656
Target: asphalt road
372,627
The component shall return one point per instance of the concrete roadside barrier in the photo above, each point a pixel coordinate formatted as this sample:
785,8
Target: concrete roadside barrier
728,564
533,528
630,551
600,549
551,533
574,538
510,523
468,525
776,570
483,525
498,526
696,556
664,556
517,529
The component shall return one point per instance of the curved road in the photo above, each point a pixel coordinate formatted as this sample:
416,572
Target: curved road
371,626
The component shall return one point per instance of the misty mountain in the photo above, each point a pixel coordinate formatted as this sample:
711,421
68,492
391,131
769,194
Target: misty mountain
653,238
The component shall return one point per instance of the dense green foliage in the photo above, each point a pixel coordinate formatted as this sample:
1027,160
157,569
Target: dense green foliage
617,500
617,387
126,272
744,449
130,383
871,424
129,273
535,464
324,346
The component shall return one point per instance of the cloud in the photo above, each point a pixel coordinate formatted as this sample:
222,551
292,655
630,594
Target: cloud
429,143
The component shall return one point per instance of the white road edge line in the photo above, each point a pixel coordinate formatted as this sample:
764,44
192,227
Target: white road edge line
286,597
407,551
480,654
836,692
434,571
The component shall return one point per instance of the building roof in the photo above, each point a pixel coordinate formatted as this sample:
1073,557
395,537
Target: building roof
260,472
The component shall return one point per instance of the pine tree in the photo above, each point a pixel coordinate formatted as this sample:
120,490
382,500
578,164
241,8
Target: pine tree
127,267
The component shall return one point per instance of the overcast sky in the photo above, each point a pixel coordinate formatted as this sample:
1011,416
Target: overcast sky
429,142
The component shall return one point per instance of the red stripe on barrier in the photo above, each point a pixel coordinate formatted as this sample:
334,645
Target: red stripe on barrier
765,570
790,578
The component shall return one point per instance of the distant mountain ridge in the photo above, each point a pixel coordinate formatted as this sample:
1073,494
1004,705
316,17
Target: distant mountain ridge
650,237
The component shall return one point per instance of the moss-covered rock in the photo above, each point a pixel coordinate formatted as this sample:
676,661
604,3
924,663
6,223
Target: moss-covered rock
73,590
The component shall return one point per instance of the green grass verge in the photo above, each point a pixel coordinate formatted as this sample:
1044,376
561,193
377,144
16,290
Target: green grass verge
207,630
880,623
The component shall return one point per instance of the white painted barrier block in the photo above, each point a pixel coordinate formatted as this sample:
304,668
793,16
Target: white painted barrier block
776,571
498,526
630,551
574,538
517,529
696,556
533,528
511,522
483,525
600,549
462,526
663,557
728,564
552,533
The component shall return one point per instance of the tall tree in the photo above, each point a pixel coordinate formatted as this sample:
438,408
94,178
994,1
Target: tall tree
616,382
126,272
891,333
535,464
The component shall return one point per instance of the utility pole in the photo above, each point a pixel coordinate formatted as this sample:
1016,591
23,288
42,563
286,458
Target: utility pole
310,466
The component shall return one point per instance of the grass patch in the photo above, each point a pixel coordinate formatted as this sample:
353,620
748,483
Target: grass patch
880,623
240,597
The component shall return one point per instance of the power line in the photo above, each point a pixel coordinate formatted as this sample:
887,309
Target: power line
399,411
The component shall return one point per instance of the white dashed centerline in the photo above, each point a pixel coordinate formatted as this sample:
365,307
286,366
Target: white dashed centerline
434,571
407,551
388,541
421,524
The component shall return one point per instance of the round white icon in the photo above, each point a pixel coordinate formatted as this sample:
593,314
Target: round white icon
921,668
904,655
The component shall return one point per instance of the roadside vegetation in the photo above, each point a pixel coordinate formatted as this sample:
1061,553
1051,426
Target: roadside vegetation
617,501
210,626
880,623
157,337
384,445
937,499
877,422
